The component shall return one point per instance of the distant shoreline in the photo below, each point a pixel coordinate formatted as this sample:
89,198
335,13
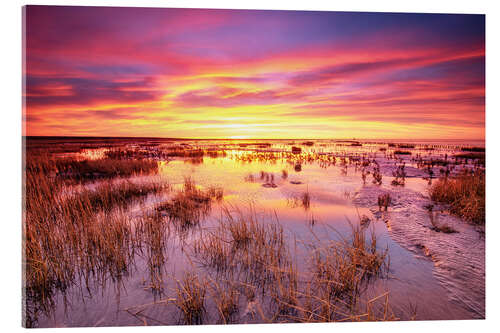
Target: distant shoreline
62,137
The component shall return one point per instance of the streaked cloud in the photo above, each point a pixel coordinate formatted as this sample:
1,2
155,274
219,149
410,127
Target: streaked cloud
220,73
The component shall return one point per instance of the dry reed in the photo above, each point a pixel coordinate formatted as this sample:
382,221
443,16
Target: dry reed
465,195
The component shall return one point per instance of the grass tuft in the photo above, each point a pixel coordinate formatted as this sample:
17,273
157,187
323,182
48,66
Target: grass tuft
191,299
465,195
191,204
384,200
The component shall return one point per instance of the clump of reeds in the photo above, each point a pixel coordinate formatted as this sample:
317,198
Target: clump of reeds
74,218
300,200
306,200
194,160
179,151
241,232
400,175
215,192
268,177
402,152
474,149
405,146
377,176
191,299
478,158
102,168
226,300
465,195
470,155
216,153
108,195
191,204
241,243
364,173
365,254
378,309
339,271
258,253
341,267
214,251
151,233
284,291
384,200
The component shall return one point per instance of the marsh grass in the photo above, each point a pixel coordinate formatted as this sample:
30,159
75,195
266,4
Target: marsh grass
215,192
87,249
242,233
74,237
108,195
471,155
185,152
331,293
102,168
402,152
399,175
257,254
384,201
226,298
474,149
240,243
300,200
152,232
43,162
190,205
87,238
258,263
477,158
405,146
465,195
268,179
364,173
341,266
306,200
377,175
191,299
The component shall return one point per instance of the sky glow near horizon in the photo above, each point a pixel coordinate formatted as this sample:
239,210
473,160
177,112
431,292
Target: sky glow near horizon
103,71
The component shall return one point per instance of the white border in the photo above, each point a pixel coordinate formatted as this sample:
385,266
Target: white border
10,108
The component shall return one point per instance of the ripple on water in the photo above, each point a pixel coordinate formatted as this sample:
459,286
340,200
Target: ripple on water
459,258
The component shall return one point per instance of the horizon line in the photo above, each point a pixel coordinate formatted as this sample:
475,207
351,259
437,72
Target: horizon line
250,138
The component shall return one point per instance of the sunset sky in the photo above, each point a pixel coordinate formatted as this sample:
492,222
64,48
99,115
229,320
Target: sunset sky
253,74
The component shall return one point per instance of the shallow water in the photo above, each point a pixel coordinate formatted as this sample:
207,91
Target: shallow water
425,274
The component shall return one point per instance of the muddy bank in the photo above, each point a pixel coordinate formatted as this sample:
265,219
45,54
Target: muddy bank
458,257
